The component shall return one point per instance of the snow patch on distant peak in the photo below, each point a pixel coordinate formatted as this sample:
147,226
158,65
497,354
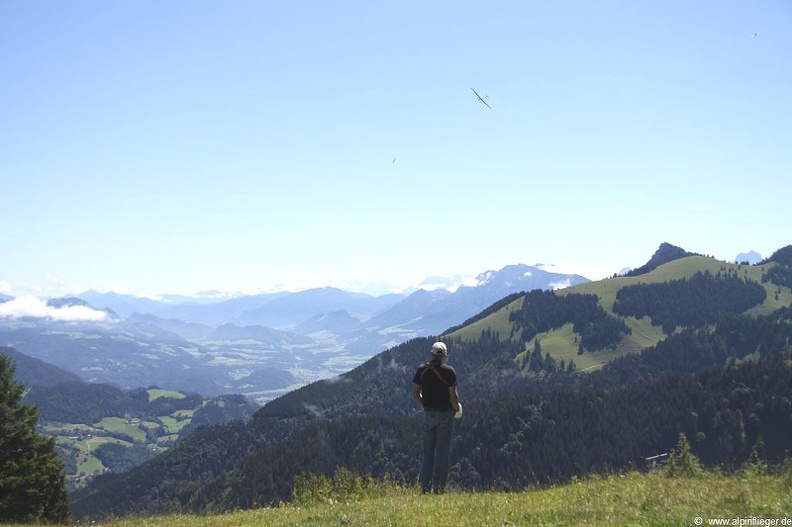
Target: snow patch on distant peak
484,278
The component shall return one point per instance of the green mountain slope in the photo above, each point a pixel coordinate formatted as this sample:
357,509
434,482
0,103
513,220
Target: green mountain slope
562,343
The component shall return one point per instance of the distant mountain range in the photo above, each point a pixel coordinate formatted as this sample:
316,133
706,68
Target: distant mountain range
261,345
751,258
287,310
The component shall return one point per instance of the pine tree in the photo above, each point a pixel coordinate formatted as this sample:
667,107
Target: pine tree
536,362
571,366
32,485
682,461
549,363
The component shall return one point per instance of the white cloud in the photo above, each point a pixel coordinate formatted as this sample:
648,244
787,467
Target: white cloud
5,287
214,295
590,272
434,285
452,283
31,306
562,284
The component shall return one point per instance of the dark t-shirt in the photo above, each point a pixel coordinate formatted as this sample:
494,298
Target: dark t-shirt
434,391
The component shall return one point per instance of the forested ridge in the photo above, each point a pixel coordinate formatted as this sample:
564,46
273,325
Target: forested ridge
700,300
781,273
664,254
82,402
545,310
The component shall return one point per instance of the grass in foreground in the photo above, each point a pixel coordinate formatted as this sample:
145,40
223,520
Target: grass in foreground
632,499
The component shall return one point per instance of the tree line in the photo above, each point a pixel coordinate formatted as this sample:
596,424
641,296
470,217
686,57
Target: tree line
702,299
82,402
543,311
781,273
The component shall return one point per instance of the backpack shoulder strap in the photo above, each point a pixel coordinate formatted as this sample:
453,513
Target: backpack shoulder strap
426,367
430,366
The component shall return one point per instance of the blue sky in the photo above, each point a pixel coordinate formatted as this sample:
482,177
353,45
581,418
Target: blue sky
182,146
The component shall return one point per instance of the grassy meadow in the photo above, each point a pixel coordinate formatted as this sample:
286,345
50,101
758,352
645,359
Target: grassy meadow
634,498
156,393
79,441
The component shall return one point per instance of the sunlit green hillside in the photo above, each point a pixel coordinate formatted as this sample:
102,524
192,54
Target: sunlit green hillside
631,499
562,343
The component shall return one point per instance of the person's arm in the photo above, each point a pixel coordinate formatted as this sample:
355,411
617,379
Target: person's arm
416,393
454,398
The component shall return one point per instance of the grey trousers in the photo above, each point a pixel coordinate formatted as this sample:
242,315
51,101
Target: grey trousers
436,450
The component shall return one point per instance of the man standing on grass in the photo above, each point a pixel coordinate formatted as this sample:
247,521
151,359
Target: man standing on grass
435,389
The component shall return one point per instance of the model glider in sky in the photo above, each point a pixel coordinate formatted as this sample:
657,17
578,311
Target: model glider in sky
482,100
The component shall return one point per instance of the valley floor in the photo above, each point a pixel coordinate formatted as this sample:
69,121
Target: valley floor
631,499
